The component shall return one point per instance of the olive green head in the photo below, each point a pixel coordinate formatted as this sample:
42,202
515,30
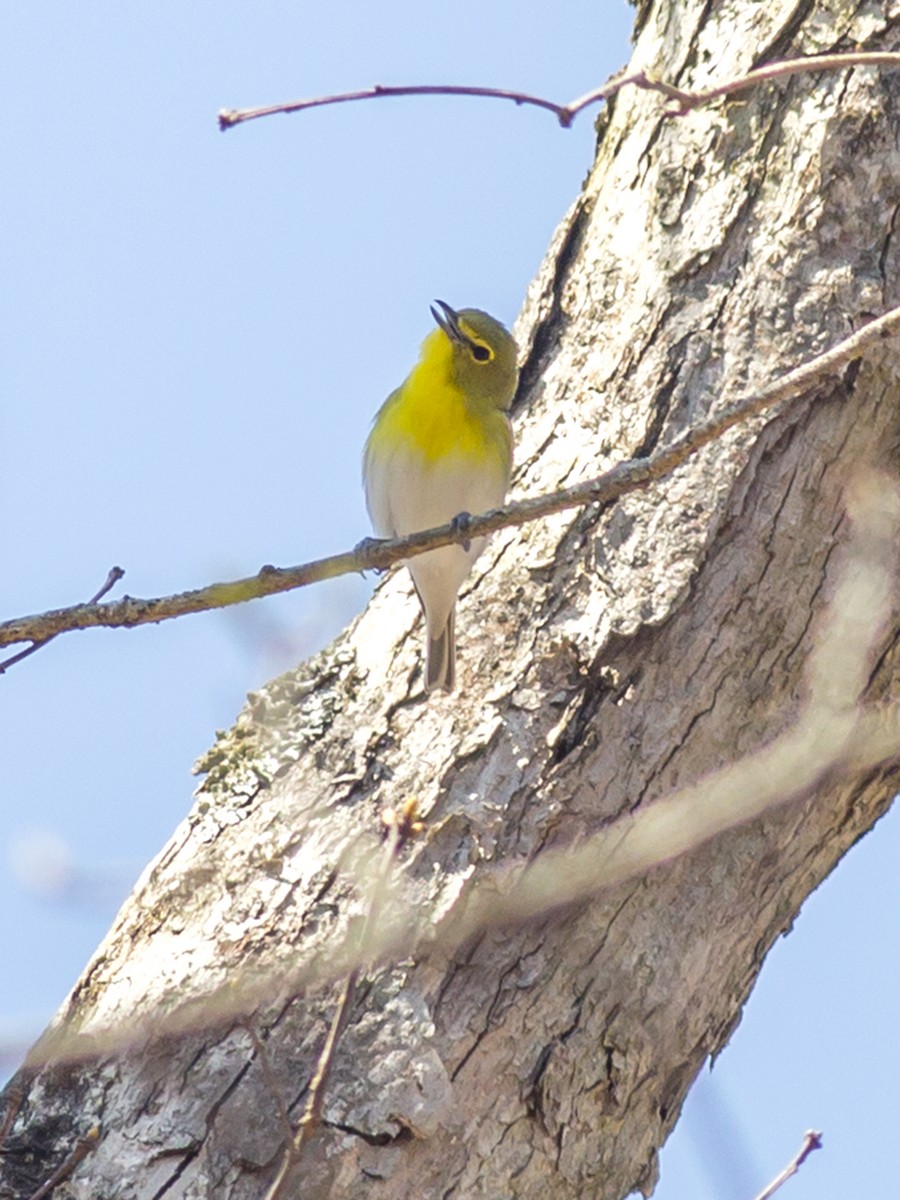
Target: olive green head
484,354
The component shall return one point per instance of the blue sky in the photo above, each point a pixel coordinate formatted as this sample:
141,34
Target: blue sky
198,328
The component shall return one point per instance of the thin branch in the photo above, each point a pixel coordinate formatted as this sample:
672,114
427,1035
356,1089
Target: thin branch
115,574
812,1140
312,1114
373,554
81,1151
686,100
230,117
683,100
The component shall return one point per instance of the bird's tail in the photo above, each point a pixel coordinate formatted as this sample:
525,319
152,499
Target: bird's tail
440,657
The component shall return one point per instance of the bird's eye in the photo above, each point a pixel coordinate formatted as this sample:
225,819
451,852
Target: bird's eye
481,353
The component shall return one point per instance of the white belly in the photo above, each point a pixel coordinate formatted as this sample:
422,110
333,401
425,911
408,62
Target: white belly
406,494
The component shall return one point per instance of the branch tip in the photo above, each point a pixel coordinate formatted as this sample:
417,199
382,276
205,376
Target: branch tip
812,1140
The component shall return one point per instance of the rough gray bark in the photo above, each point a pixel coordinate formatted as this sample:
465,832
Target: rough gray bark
606,658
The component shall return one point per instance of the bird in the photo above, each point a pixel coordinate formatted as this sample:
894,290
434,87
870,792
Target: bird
440,449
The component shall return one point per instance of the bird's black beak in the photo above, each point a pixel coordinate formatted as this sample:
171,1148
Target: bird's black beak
448,320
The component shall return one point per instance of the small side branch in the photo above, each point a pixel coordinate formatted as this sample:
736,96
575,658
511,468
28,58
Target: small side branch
684,101
811,1141
115,574
230,117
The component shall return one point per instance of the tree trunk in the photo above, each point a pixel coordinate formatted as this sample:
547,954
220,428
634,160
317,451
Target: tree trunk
607,656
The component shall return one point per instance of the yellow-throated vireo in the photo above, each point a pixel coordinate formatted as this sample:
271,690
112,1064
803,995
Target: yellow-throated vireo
441,446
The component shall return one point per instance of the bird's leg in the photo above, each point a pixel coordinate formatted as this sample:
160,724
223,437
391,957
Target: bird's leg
460,524
364,548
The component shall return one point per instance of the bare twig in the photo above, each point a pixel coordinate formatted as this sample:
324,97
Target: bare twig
115,574
812,1140
82,1149
683,101
372,554
686,100
312,1114
229,117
